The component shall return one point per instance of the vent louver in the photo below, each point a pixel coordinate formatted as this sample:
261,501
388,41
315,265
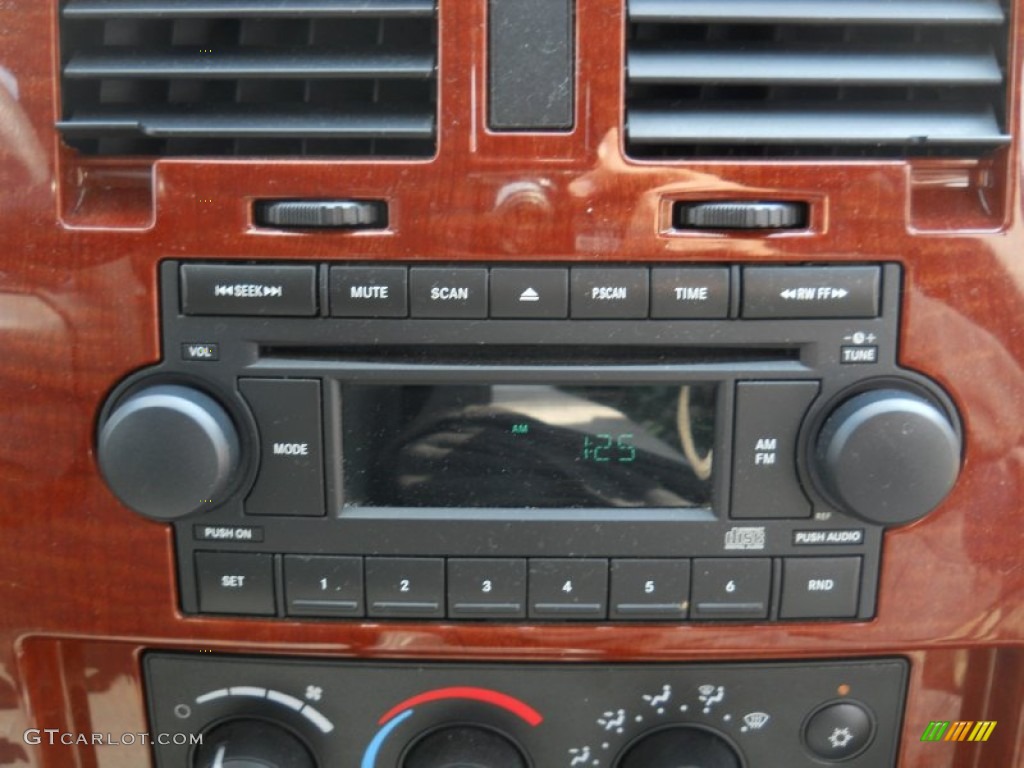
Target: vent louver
843,78
250,77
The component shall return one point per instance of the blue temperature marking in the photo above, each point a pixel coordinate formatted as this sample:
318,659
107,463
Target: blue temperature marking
370,756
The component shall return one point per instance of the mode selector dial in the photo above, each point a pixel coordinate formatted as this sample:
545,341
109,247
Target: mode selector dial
887,456
680,746
252,743
168,450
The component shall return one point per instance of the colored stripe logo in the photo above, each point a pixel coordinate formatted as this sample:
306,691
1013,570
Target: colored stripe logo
960,730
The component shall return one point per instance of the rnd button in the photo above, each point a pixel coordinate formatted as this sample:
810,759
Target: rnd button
820,587
290,480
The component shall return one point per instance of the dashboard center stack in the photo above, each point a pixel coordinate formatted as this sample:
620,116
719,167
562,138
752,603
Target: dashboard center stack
479,442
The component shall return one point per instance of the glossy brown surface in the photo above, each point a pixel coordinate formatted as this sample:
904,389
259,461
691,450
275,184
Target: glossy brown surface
86,584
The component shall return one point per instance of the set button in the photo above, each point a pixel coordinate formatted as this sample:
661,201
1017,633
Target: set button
235,582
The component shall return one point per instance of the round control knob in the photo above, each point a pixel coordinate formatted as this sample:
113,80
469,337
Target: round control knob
464,746
168,450
252,743
681,746
887,456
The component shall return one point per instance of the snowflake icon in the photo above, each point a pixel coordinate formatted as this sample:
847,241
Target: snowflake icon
840,738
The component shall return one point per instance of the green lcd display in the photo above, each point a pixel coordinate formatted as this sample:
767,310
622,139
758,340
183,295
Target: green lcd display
528,446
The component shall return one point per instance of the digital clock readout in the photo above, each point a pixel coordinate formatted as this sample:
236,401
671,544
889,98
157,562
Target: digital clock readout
524,446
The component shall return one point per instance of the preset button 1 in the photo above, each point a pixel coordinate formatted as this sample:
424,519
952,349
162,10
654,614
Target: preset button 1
319,585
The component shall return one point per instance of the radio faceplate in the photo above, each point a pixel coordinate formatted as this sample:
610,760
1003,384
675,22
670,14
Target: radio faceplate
638,444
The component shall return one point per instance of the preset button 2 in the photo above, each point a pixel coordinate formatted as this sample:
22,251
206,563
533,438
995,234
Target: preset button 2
405,587
319,585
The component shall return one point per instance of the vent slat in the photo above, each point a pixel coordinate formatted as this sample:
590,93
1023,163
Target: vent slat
207,9
780,125
240,125
793,66
932,12
253,64
816,78
276,78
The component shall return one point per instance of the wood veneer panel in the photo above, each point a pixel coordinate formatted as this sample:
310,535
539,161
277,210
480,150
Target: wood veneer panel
78,312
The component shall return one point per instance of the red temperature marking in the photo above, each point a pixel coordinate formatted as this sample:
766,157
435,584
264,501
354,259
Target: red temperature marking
518,708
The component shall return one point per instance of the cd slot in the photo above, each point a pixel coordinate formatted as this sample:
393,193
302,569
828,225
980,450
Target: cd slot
519,355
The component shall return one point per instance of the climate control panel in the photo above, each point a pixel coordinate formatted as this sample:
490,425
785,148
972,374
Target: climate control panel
315,714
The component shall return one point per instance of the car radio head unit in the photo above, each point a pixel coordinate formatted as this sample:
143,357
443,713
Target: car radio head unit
474,442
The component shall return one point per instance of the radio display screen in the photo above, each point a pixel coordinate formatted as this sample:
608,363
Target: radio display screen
528,446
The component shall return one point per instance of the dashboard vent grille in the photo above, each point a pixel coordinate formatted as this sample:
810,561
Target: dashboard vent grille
845,78
250,77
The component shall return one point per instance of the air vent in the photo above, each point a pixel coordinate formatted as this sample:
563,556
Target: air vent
842,78
250,77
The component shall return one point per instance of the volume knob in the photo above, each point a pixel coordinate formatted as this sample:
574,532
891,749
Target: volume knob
887,456
169,450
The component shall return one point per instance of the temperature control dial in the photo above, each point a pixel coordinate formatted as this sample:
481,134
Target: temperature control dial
681,746
252,743
887,456
464,746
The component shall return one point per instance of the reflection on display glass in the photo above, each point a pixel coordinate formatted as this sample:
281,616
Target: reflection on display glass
528,446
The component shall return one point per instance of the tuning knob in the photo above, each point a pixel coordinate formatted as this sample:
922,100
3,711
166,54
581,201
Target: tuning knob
464,746
251,743
681,746
887,456
168,450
